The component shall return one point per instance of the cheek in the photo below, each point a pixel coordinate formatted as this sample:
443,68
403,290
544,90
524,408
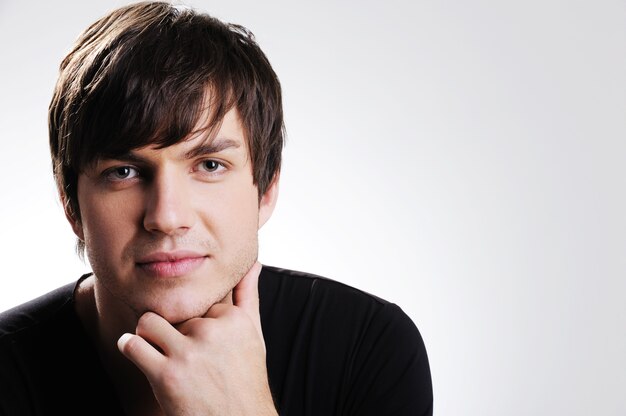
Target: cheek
234,215
107,222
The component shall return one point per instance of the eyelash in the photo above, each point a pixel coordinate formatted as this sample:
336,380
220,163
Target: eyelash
217,168
109,173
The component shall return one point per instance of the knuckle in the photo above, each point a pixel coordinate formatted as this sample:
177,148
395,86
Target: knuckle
218,310
205,332
240,317
144,321
171,377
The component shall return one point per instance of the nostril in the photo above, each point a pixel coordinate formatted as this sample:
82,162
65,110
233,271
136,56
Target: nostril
168,217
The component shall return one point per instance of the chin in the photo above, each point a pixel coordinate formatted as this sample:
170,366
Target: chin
175,315
178,309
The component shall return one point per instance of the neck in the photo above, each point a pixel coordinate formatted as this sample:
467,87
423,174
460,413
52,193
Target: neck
104,329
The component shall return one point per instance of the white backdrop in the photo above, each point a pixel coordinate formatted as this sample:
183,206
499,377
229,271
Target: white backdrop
463,159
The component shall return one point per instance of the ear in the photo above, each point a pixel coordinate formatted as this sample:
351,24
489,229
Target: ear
73,219
268,201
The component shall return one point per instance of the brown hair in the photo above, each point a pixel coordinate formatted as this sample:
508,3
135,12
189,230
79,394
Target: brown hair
141,74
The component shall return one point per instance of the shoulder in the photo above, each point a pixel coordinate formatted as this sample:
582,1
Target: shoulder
358,343
333,307
296,289
27,334
288,284
34,313
46,356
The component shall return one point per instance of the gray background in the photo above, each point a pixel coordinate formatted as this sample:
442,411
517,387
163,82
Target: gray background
464,159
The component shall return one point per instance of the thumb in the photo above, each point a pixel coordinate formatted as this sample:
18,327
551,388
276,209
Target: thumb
246,294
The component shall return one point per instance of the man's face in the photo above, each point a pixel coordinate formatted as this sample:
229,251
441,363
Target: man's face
173,230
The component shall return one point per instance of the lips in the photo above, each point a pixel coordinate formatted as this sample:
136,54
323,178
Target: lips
170,264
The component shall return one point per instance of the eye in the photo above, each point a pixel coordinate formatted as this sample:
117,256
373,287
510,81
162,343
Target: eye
211,166
120,173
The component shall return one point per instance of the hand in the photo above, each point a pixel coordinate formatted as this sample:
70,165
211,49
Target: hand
214,365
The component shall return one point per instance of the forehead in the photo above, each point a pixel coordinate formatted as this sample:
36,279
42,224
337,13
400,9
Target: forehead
209,132
226,135
209,129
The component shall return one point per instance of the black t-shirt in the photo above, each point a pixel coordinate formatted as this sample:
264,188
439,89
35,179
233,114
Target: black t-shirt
331,350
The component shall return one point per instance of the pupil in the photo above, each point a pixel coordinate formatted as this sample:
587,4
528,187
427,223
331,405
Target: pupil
122,171
211,165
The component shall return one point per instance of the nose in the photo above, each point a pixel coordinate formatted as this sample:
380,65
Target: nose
168,206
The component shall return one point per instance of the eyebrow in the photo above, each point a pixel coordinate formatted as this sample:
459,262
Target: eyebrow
203,149
214,146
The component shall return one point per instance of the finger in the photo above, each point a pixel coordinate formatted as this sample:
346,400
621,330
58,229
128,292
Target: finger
228,299
158,331
218,310
141,353
246,294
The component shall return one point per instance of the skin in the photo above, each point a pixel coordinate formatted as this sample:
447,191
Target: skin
171,235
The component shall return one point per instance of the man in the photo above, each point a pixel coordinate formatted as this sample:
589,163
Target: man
166,132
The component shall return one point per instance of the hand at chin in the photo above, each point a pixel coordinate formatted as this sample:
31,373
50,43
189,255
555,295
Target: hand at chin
177,308
213,364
